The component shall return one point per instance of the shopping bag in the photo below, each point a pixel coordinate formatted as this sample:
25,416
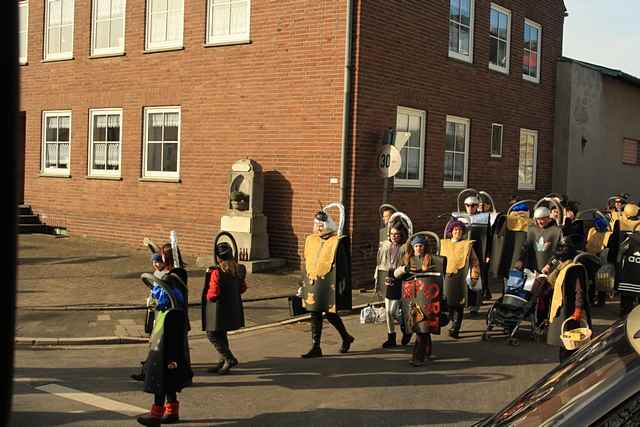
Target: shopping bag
372,315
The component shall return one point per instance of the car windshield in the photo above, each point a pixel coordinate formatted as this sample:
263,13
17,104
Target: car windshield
592,371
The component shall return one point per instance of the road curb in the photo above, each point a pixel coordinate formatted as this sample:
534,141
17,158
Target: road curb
110,340
124,307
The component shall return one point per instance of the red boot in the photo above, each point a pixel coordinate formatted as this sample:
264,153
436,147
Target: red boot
171,413
153,418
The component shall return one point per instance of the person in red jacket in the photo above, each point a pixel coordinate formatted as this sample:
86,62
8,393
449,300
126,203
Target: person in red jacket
222,309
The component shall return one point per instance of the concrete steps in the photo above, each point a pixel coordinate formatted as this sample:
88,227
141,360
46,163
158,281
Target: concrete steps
29,222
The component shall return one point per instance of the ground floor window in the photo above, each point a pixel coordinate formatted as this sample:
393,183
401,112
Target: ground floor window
161,142
528,159
56,141
105,138
412,169
456,152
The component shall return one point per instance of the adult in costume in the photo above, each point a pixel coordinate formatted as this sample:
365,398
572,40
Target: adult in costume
326,278
572,227
222,309
462,273
390,255
168,364
540,244
480,233
569,296
422,301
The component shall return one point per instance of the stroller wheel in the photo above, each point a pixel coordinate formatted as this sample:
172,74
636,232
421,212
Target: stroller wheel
485,336
513,342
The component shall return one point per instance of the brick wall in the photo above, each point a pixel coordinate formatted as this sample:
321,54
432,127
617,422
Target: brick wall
402,60
277,100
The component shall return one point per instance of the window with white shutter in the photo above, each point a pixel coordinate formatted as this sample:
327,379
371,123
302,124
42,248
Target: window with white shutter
58,37
228,21
165,21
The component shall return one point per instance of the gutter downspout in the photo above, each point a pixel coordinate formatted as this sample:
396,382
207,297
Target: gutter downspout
346,105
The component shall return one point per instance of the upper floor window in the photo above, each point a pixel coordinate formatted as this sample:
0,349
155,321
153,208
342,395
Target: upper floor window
105,140
164,24
461,29
412,168
528,159
456,152
162,142
631,152
531,54
56,140
58,35
23,28
228,21
499,38
107,27
496,140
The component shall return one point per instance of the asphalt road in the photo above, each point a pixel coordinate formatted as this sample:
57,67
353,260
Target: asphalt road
273,386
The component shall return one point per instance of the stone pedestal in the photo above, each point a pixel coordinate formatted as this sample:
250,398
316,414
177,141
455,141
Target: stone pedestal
250,233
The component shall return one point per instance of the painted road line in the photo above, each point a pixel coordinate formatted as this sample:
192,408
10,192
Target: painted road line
35,380
92,399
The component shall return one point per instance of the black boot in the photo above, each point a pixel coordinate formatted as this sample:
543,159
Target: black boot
406,336
391,341
316,335
337,323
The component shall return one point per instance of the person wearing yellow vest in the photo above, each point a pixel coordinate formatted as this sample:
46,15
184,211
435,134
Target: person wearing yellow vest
326,281
461,262
569,299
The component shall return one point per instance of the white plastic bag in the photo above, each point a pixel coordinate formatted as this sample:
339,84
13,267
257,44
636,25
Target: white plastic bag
372,315
478,285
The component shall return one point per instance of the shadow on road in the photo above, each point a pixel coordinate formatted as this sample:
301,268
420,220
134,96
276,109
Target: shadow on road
348,417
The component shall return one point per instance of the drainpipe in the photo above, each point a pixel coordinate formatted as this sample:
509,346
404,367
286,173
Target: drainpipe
346,105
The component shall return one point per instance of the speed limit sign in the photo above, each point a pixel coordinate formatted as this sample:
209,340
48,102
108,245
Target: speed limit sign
389,161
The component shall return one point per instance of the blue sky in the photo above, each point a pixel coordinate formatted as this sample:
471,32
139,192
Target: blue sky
604,32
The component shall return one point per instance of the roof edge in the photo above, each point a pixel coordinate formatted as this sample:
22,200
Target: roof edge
611,72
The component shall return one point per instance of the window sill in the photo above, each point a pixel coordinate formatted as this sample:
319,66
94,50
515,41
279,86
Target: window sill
531,79
106,55
229,43
503,71
461,58
24,63
526,189
453,186
53,175
58,59
108,178
164,49
159,179
495,157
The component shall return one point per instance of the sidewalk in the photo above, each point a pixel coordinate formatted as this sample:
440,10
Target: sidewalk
75,290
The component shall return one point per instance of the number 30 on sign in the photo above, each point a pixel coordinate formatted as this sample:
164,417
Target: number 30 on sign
389,161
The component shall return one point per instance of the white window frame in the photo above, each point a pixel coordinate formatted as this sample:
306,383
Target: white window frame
167,44
23,7
414,183
454,54
507,12
525,133
94,31
100,172
229,38
467,123
160,174
61,55
49,170
501,140
538,53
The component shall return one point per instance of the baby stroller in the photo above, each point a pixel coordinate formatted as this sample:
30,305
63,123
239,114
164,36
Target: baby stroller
513,307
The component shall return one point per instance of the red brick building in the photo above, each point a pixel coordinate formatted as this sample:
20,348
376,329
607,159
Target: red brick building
135,110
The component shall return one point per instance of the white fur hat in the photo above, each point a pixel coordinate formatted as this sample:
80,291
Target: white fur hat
541,212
